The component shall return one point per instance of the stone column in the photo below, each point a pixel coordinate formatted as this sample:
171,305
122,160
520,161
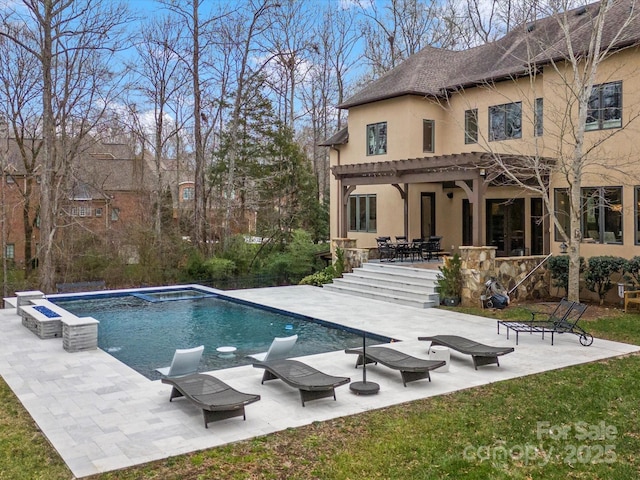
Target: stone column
478,265
353,257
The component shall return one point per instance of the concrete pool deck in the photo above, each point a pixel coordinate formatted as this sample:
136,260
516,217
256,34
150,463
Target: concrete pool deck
100,415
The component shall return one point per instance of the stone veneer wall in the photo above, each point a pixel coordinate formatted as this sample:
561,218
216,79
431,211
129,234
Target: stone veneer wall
353,257
480,264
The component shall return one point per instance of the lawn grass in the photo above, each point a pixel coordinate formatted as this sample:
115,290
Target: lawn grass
506,430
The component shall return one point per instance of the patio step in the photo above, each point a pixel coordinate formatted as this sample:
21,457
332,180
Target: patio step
396,284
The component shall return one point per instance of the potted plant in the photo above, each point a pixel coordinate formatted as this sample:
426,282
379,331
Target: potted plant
449,282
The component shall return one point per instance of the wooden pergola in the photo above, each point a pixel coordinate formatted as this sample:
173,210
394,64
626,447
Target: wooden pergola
472,172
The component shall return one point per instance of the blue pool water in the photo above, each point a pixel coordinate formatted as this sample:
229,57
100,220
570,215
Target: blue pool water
143,330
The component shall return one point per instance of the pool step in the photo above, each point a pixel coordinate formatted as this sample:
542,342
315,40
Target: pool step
409,286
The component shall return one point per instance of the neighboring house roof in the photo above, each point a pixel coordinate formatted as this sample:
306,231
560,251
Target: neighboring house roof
432,71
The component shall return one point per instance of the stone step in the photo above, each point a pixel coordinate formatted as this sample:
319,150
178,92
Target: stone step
389,282
405,290
380,278
383,296
401,270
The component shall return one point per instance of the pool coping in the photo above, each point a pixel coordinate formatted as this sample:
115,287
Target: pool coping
101,415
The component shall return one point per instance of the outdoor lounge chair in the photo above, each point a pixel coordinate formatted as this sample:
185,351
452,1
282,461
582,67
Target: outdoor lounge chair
411,368
279,348
481,354
563,319
311,383
216,399
185,361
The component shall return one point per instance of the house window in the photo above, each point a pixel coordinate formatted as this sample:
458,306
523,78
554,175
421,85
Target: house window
562,212
10,179
471,126
505,121
98,212
115,214
602,214
377,138
187,193
605,107
428,135
10,251
84,211
362,213
537,117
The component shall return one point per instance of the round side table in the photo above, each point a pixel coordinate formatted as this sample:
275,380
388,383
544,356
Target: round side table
226,352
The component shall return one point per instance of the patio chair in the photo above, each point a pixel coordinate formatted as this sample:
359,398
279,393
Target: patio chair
411,368
386,249
311,383
216,399
185,361
403,248
481,354
280,347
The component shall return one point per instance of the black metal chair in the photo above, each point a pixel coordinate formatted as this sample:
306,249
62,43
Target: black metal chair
386,249
403,247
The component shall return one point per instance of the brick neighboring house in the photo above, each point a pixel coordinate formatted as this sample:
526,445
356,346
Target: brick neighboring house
108,195
418,155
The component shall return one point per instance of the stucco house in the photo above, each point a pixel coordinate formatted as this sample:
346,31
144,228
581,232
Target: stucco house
422,151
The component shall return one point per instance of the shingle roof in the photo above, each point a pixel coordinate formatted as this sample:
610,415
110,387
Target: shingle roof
339,138
432,71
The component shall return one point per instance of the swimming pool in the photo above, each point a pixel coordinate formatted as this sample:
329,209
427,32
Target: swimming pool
143,328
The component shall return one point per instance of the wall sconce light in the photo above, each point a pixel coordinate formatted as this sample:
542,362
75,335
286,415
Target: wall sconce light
483,172
449,195
563,248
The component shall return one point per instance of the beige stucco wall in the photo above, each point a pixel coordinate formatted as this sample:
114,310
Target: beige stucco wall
615,162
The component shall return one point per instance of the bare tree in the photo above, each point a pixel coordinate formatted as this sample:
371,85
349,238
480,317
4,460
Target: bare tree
72,42
20,105
242,39
160,80
397,30
333,58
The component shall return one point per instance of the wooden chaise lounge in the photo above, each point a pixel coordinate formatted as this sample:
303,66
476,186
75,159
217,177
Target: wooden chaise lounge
312,383
216,399
481,354
411,368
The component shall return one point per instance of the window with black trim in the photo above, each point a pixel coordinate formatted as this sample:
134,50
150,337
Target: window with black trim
605,107
428,135
362,213
505,121
562,212
538,115
602,214
471,126
377,138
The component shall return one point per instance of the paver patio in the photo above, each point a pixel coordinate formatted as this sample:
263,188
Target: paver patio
100,415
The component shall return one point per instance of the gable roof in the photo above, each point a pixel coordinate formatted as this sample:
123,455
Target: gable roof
432,71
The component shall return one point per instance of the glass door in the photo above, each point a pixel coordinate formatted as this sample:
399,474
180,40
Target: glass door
505,226
427,215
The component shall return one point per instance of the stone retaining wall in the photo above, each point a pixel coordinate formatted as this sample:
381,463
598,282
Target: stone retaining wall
479,264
